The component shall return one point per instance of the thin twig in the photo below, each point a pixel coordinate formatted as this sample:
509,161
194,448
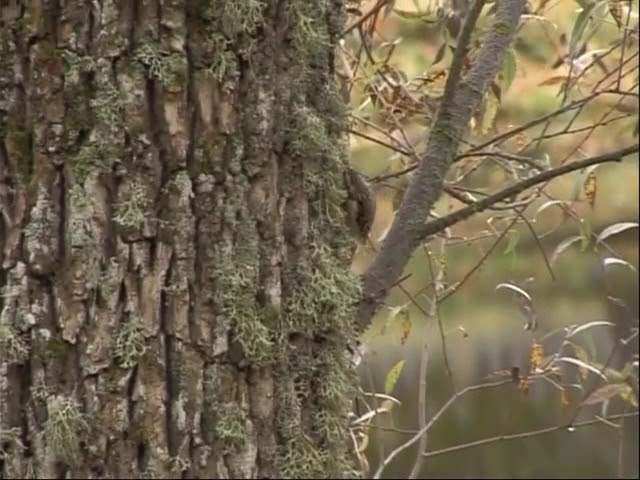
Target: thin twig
441,223
621,449
422,403
382,143
529,434
433,420
437,288
536,238
479,263
376,8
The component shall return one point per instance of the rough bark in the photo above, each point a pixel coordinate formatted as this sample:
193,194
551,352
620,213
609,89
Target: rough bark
176,296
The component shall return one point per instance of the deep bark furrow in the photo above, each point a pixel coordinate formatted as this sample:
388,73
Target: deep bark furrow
167,233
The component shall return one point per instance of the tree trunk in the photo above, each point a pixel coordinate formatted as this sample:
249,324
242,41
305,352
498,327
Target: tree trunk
174,263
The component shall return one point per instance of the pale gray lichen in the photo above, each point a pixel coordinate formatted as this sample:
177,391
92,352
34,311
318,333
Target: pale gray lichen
132,204
65,428
130,343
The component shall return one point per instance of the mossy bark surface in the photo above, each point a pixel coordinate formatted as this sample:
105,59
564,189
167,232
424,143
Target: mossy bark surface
176,298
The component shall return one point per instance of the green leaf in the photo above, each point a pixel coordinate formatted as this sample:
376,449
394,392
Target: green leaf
629,396
509,68
579,27
392,377
585,234
512,242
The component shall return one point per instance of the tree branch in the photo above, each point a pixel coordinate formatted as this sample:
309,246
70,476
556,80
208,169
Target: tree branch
532,433
461,98
441,223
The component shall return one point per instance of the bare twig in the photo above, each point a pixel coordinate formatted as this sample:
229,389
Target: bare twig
529,434
479,263
434,311
437,289
536,238
382,143
422,403
576,104
433,420
376,8
620,469
440,224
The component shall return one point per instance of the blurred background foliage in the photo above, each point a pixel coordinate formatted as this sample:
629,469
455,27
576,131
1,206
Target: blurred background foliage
482,327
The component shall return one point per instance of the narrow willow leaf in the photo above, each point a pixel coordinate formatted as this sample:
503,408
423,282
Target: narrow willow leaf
582,364
562,246
580,26
586,326
618,261
615,229
392,377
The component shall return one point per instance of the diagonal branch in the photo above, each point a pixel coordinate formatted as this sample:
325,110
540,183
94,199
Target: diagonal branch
441,223
528,434
462,96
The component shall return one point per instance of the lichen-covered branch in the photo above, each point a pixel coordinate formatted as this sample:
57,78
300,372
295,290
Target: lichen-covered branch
426,186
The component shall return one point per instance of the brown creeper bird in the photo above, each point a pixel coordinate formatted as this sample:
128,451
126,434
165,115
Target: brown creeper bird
360,205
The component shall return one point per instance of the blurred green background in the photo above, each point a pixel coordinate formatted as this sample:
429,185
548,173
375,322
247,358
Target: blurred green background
483,327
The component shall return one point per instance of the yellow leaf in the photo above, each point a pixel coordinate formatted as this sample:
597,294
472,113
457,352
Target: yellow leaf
583,356
628,395
392,377
405,329
522,140
434,81
394,312
489,114
386,406
589,188
536,356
